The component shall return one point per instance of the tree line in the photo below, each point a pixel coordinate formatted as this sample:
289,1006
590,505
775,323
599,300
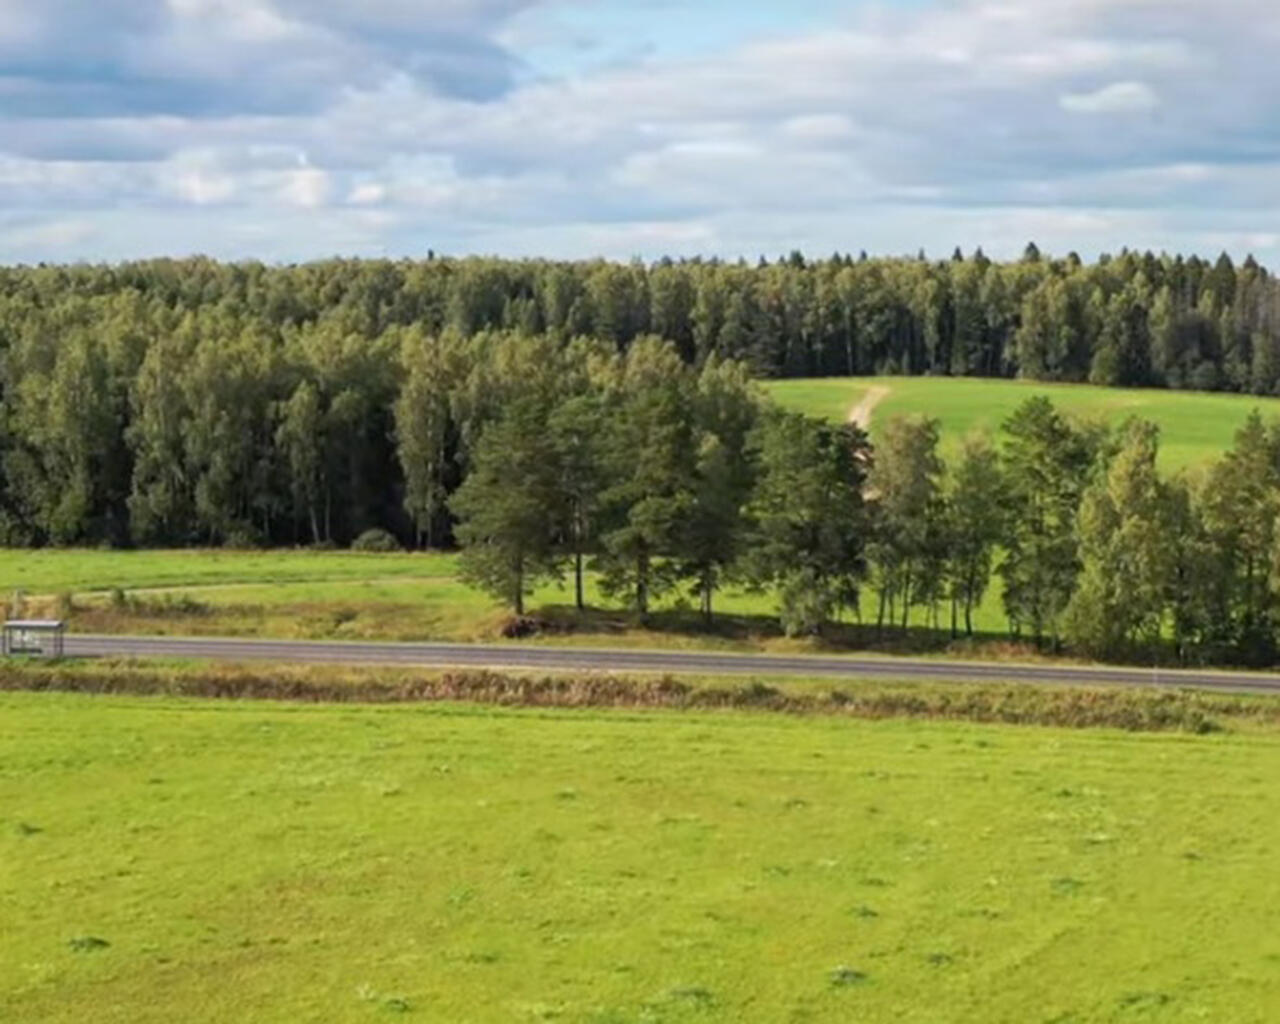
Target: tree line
190,401
672,479
542,455
1133,319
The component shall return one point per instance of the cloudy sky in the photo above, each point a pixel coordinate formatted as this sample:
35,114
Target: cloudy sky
296,129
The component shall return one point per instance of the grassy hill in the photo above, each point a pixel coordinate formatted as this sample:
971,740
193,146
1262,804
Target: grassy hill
166,860
1195,427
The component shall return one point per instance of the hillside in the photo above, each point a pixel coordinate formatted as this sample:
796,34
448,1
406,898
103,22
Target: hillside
1194,426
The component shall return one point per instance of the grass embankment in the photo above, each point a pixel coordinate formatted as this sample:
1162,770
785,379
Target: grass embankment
1195,427
165,859
1130,708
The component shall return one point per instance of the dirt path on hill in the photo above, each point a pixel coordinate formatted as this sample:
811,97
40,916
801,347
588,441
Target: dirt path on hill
860,414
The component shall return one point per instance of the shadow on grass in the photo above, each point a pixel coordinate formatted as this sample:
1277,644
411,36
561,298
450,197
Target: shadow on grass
762,630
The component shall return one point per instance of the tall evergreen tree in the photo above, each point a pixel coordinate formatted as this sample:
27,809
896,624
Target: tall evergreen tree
650,457
726,410
507,507
1239,504
808,522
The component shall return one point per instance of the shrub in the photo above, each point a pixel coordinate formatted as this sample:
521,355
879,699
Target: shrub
376,540
243,538
519,627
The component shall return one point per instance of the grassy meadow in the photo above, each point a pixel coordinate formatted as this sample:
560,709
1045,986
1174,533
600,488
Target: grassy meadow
302,594
1195,427
168,859
52,570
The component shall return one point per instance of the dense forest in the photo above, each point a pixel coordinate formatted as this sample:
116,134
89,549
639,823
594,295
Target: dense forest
545,416
1134,319
170,402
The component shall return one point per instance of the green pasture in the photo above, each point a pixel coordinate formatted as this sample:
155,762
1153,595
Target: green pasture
1195,427
52,570
304,594
168,860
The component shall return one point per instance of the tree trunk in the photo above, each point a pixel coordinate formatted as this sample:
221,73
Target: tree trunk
579,599
642,585
518,596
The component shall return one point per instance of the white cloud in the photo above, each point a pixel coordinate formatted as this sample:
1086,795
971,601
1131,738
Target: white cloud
307,187
818,128
379,127
50,235
367,193
1117,98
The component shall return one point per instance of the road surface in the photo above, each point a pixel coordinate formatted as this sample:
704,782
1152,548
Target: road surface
589,659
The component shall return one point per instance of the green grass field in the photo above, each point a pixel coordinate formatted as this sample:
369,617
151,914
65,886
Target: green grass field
50,570
168,860
303,594
1195,427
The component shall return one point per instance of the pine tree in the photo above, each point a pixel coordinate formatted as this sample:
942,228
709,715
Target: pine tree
808,523
507,507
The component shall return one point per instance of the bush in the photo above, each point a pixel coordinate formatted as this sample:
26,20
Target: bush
243,537
376,540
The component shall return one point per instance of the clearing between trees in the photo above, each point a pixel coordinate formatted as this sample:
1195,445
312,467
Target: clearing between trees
1195,427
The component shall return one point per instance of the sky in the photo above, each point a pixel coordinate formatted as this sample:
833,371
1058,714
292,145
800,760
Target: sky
287,130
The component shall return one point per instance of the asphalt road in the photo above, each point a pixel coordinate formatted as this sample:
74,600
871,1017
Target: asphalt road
504,656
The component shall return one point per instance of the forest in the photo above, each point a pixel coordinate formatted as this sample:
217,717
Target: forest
546,417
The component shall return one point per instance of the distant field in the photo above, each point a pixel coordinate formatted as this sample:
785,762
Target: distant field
1195,427
166,860
50,570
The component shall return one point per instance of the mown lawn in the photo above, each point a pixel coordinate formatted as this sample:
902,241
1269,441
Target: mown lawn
1195,427
170,860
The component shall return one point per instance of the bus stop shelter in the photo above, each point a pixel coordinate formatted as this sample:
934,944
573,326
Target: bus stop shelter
33,636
